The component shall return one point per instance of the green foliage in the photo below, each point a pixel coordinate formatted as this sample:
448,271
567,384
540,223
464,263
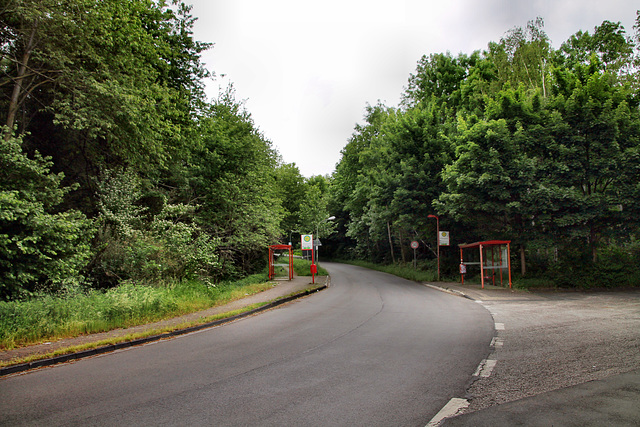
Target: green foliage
148,248
302,267
40,247
122,77
76,313
519,142
233,178
405,271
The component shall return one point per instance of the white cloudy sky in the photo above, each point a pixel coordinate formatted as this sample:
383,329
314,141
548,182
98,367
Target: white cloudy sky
307,69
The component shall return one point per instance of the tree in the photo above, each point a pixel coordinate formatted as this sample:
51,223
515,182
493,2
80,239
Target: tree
595,153
41,248
232,177
100,84
292,191
489,181
609,48
522,56
437,80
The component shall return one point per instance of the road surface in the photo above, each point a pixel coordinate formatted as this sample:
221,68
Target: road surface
372,349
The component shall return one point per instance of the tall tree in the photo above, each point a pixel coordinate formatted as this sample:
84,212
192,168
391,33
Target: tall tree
595,141
100,82
232,177
522,56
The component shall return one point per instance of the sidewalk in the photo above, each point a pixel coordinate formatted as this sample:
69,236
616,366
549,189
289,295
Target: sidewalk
283,291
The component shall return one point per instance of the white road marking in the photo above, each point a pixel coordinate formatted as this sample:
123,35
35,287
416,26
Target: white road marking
499,326
453,408
485,368
497,342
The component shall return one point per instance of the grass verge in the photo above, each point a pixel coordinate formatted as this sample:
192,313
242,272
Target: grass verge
404,271
51,318
129,337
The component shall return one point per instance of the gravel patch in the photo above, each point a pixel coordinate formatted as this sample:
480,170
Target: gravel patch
555,340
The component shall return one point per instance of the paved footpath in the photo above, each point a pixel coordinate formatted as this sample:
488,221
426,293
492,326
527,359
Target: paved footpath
558,358
281,292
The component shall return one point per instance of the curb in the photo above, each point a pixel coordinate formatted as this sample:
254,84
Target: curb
8,370
449,291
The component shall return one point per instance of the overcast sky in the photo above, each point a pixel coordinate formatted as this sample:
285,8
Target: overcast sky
307,69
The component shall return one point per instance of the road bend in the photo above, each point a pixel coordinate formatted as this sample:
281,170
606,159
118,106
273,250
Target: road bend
373,349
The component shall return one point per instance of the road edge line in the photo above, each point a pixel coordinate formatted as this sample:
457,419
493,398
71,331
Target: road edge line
451,409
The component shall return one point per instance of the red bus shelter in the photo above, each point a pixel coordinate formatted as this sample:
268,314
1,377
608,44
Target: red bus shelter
273,265
495,255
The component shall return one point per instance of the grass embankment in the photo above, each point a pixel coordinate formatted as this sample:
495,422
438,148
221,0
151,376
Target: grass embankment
49,318
301,267
405,271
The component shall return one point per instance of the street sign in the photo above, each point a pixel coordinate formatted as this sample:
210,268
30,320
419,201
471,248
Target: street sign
306,242
414,245
443,237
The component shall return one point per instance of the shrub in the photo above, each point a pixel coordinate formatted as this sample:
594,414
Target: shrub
148,247
40,247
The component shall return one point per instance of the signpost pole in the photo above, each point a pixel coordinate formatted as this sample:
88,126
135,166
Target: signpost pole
437,241
414,246
306,243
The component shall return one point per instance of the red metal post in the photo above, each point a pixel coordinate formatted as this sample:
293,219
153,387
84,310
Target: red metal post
290,263
509,262
481,268
313,261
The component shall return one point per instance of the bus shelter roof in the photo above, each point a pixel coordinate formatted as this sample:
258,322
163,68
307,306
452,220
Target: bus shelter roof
485,243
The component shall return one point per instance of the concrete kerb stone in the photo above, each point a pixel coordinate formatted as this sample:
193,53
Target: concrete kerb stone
14,369
449,291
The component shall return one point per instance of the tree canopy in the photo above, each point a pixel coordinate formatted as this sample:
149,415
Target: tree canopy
519,142
116,168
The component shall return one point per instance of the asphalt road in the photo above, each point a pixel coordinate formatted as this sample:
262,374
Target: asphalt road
372,349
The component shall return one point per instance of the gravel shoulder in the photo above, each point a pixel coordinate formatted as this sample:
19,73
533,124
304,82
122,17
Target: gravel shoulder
547,341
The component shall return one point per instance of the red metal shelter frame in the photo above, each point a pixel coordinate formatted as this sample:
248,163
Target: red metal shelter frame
486,263
272,266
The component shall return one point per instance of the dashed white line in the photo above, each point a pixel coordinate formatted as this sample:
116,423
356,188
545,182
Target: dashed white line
485,368
456,406
497,342
453,408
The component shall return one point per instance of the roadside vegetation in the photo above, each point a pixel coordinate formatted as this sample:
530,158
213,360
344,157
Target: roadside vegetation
425,271
127,196
51,317
523,141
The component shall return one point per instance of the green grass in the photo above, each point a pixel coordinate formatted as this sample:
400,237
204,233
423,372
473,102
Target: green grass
405,271
302,267
128,337
49,318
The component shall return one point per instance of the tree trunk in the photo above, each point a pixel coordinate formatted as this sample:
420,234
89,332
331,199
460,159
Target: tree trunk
14,103
523,259
393,257
594,240
402,249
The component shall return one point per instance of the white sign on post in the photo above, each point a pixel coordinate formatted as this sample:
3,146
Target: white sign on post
306,242
443,238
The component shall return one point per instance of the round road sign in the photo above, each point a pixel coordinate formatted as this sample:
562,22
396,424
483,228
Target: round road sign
414,245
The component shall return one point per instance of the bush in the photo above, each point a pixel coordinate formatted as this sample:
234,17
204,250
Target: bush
40,247
148,247
302,267
616,267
